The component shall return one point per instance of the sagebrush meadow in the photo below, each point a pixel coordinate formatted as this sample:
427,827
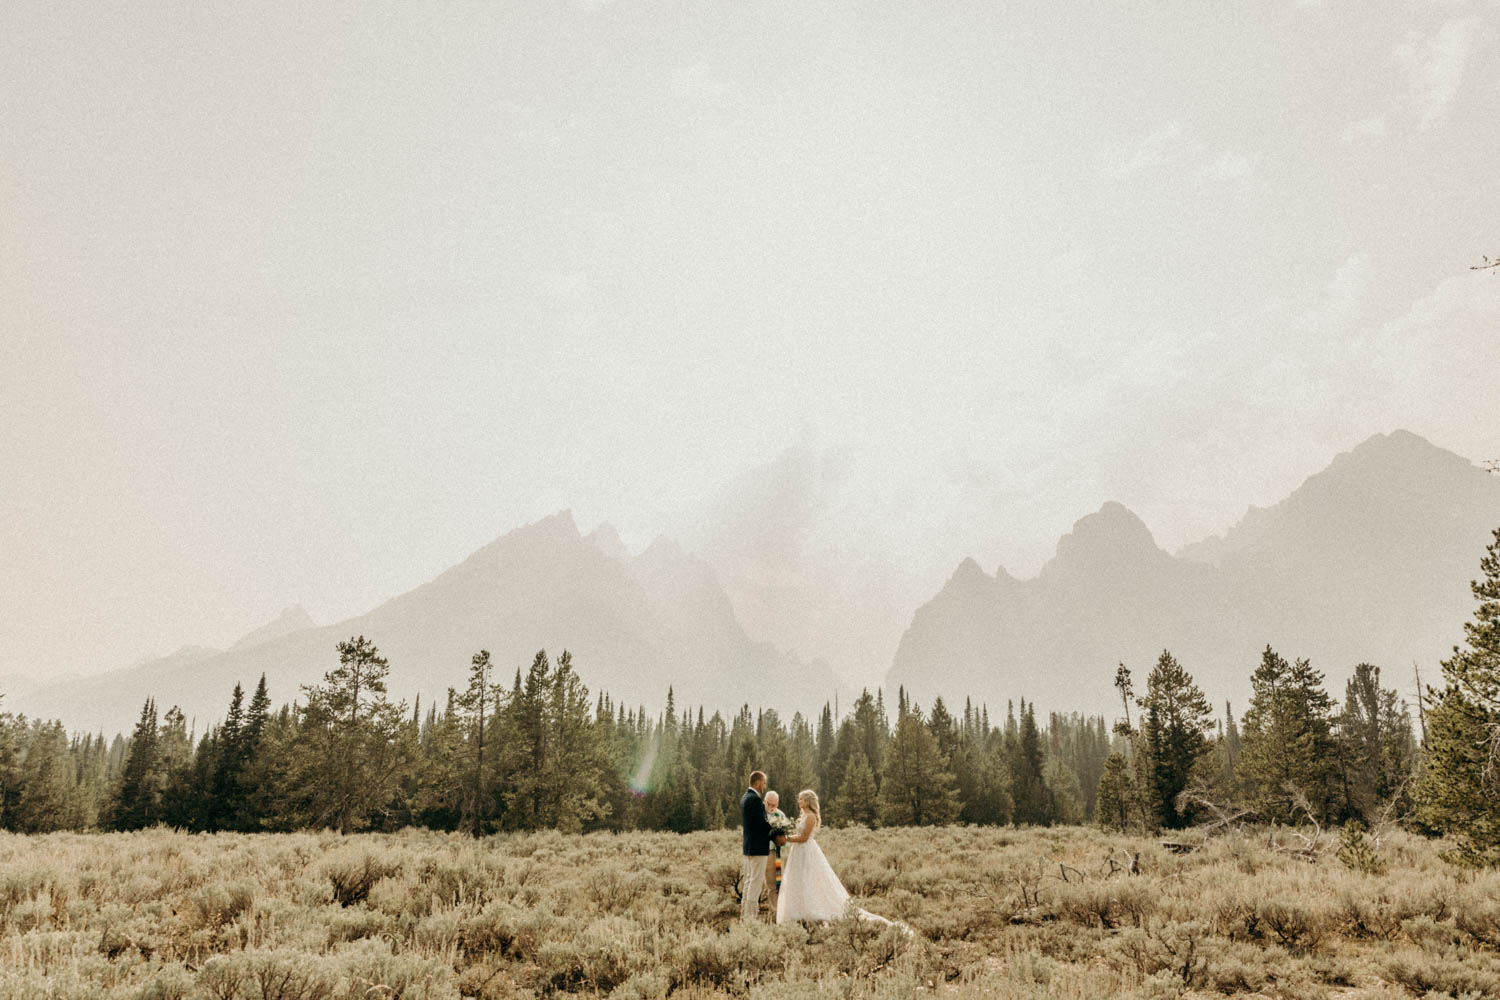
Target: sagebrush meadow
1034,913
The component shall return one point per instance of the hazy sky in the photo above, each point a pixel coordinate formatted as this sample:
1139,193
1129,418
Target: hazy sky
301,303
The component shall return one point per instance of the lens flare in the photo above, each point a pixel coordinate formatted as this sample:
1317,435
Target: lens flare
640,781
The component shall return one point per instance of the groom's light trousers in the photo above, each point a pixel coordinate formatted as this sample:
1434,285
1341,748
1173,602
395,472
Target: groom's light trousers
754,882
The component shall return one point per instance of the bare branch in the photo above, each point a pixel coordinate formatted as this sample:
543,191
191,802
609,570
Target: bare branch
1225,816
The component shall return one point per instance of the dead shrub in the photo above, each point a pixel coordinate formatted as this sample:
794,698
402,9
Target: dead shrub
1109,904
219,905
1478,917
352,878
1237,919
1377,918
1164,947
591,965
1296,927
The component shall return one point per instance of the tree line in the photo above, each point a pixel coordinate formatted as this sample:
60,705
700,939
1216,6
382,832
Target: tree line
541,752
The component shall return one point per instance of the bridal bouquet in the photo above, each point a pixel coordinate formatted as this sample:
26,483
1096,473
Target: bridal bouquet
781,825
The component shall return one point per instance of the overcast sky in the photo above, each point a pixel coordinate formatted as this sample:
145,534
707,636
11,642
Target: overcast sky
301,303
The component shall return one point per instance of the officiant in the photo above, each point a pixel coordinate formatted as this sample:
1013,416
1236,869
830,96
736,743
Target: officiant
781,825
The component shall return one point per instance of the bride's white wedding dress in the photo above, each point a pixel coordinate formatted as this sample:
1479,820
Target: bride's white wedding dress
809,888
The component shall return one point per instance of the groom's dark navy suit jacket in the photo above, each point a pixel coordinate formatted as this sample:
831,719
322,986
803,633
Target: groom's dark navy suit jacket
757,829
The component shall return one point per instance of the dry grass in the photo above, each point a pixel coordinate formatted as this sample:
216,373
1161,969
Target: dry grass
998,913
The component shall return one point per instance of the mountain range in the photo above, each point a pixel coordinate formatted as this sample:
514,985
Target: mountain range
1369,560
636,626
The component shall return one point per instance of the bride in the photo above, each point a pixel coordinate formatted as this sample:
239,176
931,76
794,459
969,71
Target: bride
809,888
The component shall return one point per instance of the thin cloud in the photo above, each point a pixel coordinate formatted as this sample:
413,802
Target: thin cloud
1171,146
1165,145
1435,66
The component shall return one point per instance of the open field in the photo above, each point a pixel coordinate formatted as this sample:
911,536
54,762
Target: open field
998,912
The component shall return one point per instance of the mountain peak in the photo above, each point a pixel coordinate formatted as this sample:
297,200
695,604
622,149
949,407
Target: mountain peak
554,529
561,523
1113,523
1394,481
1112,537
1399,453
607,540
292,619
969,573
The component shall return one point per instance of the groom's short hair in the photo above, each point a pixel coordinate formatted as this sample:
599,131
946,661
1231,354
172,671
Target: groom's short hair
757,776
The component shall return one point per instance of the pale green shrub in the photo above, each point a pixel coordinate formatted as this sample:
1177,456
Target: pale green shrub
356,924
1448,974
732,960
170,982
217,905
372,971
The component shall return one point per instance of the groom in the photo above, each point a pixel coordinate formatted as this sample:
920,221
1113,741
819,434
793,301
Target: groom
756,843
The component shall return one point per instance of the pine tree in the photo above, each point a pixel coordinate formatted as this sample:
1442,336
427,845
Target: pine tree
11,750
137,801
944,729
576,762
526,746
47,798
261,772
1137,755
1028,787
825,744
1064,795
993,803
859,803
916,788
255,779
230,759
1459,790
182,806
799,766
1174,726
1374,737
477,709
1398,750
352,749
259,714
1226,780
1288,747
1116,794
872,731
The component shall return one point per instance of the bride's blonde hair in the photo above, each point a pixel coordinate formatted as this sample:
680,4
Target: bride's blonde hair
808,799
